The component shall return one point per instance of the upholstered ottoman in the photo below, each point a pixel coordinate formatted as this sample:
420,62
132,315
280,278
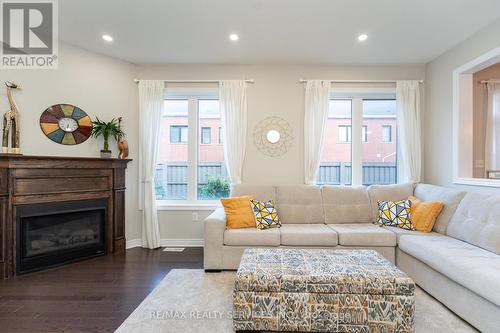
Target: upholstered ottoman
320,290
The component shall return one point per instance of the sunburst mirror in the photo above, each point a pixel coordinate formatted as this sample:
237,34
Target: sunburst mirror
273,136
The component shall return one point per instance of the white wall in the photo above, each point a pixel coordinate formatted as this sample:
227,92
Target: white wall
276,92
101,86
438,111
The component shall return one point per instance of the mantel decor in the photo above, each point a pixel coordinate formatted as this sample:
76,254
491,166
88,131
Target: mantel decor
273,136
66,124
11,122
31,185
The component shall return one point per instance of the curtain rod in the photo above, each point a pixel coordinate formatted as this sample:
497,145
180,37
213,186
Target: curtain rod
359,81
490,81
193,81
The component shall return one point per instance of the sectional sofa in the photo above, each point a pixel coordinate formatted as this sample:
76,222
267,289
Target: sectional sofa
458,262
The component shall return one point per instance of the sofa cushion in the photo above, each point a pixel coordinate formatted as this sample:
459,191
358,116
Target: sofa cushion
387,193
346,204
300,204
474,268
395,214
308,235
477,221
401,232
252,237
259,192
450,197
265,214
363,234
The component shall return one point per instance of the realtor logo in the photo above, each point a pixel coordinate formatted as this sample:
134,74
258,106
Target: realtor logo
29,34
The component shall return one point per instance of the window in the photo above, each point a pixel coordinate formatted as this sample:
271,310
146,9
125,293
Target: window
206,135
178,134
213,182
196,169
345,134
359,147
386,133
335,165
379,156
171,170
221,136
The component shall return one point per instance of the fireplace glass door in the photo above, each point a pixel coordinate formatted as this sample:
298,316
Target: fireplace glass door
56,233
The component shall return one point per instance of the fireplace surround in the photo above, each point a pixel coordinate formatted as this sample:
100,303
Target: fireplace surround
55,210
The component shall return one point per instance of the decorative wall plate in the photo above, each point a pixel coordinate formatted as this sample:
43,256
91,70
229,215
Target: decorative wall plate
66,124
273,136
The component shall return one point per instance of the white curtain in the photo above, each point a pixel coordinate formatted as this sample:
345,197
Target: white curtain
317,102
409,131
492,142
233,106
150,112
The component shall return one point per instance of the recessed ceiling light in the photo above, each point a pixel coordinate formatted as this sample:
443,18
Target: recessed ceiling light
362,37
107,38
234,37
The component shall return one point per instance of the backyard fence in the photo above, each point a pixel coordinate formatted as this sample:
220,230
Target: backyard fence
172,178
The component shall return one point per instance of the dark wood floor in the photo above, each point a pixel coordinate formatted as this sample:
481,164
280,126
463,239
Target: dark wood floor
90,296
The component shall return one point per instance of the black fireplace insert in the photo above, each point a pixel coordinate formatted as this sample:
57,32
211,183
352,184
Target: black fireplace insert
52,234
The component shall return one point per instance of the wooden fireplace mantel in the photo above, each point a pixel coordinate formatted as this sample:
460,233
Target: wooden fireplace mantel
26,180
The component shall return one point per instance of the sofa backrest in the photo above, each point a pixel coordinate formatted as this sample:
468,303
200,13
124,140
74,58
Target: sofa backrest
299,204
259,192
346,204
388,193
477,221
450,197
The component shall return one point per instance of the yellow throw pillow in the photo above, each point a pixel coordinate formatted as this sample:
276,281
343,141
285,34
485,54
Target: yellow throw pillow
424,213
239,212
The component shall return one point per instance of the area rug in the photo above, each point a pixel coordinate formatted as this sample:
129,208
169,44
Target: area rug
190,300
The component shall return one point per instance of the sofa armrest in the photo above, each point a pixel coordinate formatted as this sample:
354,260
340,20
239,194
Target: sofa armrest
214,224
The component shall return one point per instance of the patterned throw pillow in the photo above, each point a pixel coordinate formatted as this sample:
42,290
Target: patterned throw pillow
395,214
266,215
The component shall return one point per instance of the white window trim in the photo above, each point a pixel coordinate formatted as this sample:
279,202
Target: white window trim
193,95
357,96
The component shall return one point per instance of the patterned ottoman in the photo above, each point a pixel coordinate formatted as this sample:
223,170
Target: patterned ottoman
320,290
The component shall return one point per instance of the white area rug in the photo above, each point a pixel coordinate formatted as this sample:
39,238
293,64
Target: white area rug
190,300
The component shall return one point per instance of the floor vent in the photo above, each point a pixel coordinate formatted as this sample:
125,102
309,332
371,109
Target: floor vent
174,249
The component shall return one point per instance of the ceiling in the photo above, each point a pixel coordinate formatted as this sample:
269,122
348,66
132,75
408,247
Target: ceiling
273,31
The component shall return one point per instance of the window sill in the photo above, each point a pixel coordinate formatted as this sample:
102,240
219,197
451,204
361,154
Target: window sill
166,205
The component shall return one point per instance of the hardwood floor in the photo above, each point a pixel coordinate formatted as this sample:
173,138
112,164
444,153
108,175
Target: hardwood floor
90,296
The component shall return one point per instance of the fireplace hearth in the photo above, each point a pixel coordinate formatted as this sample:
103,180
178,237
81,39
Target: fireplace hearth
52,234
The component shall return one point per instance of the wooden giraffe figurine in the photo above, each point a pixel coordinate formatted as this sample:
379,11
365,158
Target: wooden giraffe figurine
122,143
11,122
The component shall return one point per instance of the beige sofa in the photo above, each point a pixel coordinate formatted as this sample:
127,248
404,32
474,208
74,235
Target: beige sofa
458,262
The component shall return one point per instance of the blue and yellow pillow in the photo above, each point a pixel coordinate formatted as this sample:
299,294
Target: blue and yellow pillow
266,215
395,214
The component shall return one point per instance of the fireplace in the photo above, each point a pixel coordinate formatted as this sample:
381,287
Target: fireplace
51,234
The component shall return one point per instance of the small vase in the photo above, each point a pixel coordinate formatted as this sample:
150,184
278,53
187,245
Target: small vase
105,153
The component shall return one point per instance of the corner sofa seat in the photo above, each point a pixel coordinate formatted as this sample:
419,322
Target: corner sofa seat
363,234
307,235
474,268
399,232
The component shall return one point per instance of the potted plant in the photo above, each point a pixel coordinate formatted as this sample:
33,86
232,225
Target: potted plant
106,130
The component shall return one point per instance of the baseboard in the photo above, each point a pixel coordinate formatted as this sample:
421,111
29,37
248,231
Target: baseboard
133,243
166,242
180,242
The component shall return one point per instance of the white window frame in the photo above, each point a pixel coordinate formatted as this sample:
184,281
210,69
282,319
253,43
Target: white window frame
390,134
357,95
192,95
